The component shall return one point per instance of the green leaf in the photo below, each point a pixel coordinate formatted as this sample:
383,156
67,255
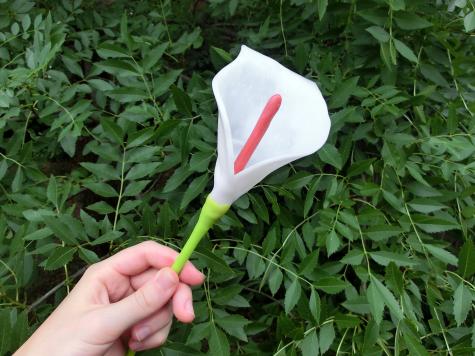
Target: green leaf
199,162
359,167
234,325
218,342
177,178
60,229
128,206
219,57
194,189
259,207
111,50
292,295
466,265
102,189
153,56
376,303
141,154
433,74
411,21
343,92
139,138
100,84
386,257
254,265
329,154
198,333
124,32
135,187
382,232
17,180
114,130
309,200
26,22
5,331
405,51
315,304
275,280
119,67
353,257
332,243
60,257
462,303
326,337
412,340
101,208
442,255
394,278
107,237
433,224
165,81
309,345
322,8
387,297
397,5
38,234
216,263
52,191
73,66
379,33
469,21
101,170
3,168
182,101
88,256
426,205
127,94
141,170
331,285
37,215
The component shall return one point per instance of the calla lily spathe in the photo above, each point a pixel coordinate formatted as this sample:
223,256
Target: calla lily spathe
299,128
276,115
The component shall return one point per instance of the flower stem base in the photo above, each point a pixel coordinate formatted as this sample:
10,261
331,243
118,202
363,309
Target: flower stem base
210,213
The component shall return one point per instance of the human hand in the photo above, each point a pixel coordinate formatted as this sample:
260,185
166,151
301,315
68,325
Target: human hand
127,299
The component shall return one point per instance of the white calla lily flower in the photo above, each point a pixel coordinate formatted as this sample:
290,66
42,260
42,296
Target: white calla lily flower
252,91
300,127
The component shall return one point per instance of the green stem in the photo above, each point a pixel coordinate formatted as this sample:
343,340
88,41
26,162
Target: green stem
210,213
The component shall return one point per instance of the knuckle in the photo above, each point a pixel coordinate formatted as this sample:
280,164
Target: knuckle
92,270
149,244
161,339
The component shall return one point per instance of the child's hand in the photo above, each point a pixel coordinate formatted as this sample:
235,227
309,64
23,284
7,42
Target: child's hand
129,298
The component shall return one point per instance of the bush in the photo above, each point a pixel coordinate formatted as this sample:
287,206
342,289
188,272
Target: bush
108,134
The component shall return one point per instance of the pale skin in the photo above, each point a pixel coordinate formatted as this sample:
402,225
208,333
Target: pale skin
127,300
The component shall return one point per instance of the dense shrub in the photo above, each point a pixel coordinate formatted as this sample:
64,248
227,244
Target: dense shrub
107,138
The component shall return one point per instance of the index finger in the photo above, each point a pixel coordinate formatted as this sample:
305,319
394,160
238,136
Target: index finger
149,254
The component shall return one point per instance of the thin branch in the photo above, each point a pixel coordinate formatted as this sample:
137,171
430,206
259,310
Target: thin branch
54,289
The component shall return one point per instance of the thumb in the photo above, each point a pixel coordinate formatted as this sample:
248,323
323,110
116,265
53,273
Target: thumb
151,297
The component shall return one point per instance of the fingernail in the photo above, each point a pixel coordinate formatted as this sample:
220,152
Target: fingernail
167,278
142,333
135,345
189,307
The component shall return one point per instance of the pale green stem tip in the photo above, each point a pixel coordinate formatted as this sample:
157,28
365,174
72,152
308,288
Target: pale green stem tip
210,213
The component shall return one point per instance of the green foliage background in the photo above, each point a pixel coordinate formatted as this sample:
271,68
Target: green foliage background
108,133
